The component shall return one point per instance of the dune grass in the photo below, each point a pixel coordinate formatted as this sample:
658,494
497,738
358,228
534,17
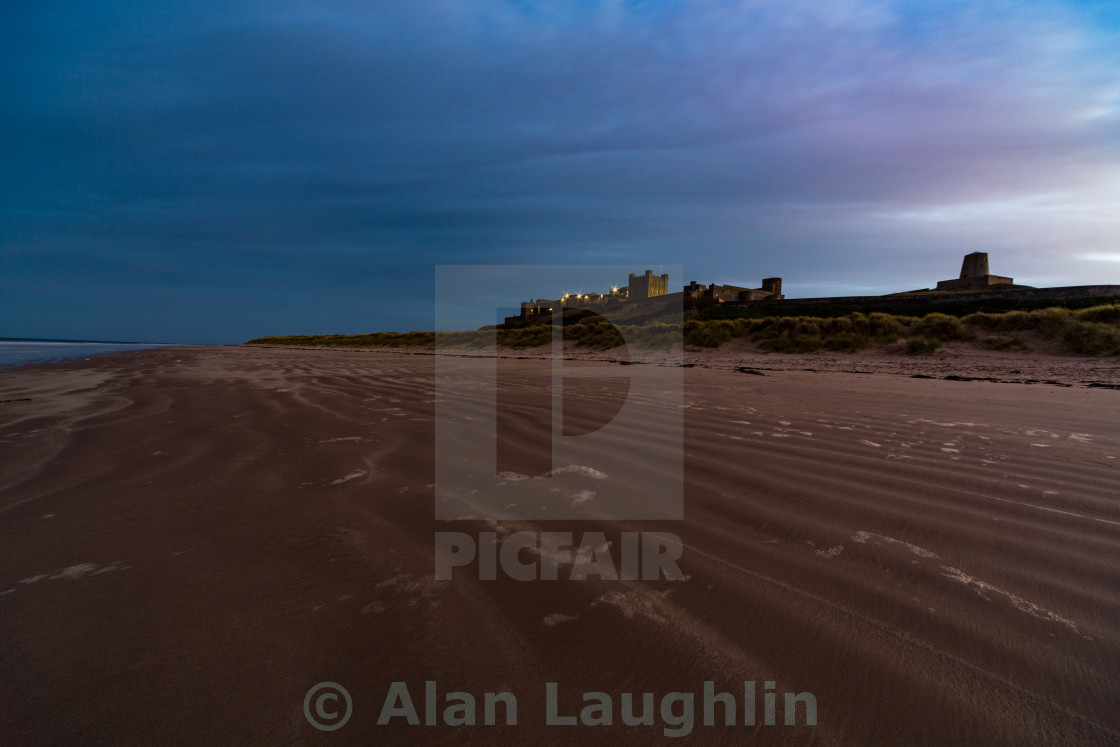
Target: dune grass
1089,331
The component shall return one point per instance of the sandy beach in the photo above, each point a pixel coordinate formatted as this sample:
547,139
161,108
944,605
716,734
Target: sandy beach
192,538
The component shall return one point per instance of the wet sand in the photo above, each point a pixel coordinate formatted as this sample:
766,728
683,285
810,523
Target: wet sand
191,538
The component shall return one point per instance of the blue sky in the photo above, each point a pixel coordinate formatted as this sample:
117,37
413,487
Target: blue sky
213,171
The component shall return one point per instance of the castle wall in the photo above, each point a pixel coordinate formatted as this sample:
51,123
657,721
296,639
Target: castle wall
1067,293
726,293
973,281
695,291
771,290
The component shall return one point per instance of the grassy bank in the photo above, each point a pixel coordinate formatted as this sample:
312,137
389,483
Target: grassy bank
593,333
1088,331
1085,332
899,305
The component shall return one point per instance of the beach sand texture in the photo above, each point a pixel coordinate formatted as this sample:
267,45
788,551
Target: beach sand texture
191,538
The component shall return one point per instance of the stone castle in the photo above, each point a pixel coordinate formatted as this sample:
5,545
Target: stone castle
649,286
771,290
975,280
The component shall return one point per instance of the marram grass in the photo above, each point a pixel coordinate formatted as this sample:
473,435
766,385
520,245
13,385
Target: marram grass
1090,331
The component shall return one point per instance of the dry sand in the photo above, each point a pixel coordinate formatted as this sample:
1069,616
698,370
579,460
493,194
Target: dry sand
191,538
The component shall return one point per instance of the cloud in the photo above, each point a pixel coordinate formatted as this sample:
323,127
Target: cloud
341,150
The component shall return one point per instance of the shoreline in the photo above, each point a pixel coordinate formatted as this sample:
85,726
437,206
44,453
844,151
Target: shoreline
75,354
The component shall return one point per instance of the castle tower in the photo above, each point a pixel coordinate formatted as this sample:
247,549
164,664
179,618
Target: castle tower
647,285
974,273
773,286
975,265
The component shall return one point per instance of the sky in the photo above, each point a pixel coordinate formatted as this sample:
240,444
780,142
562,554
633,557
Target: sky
208,172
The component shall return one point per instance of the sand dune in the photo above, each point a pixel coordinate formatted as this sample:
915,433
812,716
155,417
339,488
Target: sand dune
190,539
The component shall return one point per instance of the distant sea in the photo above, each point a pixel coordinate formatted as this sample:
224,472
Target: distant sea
17,352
